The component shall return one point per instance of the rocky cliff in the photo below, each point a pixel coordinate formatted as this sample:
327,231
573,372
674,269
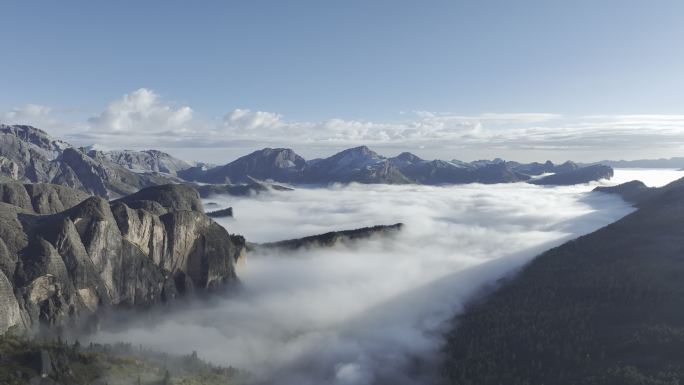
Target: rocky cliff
137,251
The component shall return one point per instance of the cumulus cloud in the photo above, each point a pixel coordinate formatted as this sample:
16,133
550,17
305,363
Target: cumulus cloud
27,114
371,313
28,111
141,111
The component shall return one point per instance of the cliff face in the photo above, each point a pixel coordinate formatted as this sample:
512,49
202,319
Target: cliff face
141,250
40,198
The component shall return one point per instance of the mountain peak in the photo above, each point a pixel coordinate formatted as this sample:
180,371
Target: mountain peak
408,157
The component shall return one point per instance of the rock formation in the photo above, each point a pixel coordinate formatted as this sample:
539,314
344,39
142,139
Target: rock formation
136,251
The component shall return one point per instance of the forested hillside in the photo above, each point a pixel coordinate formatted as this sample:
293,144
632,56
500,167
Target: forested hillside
607,308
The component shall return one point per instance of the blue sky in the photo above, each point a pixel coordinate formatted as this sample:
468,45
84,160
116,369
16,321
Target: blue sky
361,61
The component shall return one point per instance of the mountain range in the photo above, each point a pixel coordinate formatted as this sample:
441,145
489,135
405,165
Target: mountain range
362,165
30,155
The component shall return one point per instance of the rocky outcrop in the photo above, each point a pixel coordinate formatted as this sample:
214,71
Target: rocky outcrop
30,155
577,176
137,251
40,198
332,238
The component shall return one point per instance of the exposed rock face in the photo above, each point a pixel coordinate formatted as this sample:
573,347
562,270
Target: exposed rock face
143,161
40,198
577,176
332,238
28,154
136,251
170,197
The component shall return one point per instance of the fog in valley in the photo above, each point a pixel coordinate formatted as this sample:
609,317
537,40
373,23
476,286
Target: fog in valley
373,311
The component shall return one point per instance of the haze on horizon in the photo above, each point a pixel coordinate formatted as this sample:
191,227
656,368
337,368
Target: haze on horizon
527,81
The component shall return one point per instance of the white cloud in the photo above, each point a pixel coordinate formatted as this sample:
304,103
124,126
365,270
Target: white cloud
142,118
27,114
141,111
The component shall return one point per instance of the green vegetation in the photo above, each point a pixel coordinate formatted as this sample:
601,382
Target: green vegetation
23,359
607,309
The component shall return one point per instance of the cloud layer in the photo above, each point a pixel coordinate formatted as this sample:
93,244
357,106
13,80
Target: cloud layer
370,313
143,118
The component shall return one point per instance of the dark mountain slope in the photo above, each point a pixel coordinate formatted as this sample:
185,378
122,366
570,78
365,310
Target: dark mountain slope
577,176
607,308
332,238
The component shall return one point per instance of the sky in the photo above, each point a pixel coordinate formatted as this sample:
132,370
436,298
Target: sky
466,79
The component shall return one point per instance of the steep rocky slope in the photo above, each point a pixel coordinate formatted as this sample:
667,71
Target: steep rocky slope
142,161
137,251
40,198
28,154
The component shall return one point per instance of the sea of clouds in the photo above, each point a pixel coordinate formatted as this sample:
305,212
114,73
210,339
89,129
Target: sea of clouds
372,312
